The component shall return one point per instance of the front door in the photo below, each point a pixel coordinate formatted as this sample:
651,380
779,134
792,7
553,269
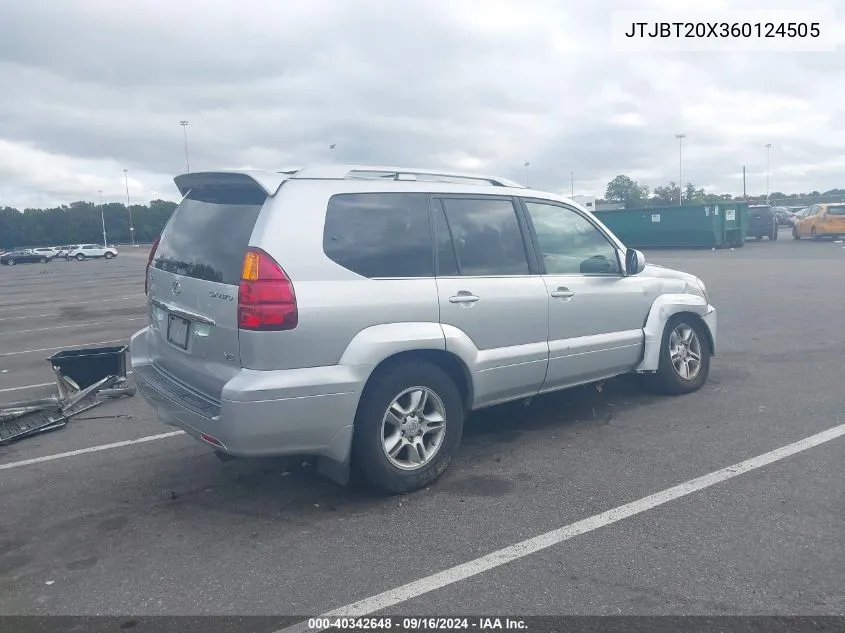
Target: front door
596,312
493,310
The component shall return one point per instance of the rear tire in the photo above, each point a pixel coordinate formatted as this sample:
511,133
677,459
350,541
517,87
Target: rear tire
759,238
394,389
80,257
43,260
11,262
667,379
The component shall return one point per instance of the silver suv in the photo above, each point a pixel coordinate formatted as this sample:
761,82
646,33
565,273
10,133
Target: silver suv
357,314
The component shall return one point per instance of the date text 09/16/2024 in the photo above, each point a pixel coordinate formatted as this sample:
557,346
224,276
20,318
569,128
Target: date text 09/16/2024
417,624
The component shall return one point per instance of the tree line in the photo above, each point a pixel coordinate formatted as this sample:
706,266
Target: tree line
624,189
80,223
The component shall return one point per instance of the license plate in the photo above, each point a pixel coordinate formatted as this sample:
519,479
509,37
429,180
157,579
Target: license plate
178,330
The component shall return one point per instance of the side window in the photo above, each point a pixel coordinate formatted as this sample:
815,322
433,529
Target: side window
447,261
380,234
569,243
486,236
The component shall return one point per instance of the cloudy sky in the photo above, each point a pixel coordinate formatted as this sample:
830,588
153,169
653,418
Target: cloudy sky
93,87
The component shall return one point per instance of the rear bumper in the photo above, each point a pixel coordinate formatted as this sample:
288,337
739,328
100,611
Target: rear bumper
260,413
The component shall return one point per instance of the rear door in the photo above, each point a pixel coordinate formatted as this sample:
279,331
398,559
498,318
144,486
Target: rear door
488,292
193,285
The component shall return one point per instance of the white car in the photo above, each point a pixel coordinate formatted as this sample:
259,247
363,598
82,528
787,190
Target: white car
91,251
48,251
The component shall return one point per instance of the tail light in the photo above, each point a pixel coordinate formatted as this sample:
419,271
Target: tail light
149,263
266,300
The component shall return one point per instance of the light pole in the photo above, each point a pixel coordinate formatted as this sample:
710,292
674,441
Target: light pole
103,220
572,184
526,165
128,208
184,125
768,163
680,138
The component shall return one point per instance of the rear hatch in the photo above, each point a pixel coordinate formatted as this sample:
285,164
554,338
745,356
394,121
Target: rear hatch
834,218
760,217
193,282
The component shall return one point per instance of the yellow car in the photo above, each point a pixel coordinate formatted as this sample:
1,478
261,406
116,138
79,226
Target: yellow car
820,220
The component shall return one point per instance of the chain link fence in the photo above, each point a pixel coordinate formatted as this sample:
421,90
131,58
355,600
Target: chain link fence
806,201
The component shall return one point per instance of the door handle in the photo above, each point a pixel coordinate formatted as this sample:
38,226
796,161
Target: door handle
463,297
562,293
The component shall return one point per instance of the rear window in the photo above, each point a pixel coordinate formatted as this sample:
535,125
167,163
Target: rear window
209,232
380,234
838,210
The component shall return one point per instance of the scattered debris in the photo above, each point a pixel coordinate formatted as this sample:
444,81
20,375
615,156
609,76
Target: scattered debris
82,376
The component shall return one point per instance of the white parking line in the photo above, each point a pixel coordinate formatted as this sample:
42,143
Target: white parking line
91,449
53,314
36,385
530,546
77,303
50,349
66,327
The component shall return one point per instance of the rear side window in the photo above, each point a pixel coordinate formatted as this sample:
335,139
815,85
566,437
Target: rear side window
380,234
486,236
836,210
209,232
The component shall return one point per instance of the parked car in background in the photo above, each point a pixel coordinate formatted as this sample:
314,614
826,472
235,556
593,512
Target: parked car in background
821,221
762,222
48,251
62,251
91,251
357,314
784,216
27,256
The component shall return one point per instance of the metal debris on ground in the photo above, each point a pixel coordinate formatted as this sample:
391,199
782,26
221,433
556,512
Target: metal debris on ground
85,378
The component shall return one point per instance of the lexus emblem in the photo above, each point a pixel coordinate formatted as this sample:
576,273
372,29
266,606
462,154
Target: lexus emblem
176,288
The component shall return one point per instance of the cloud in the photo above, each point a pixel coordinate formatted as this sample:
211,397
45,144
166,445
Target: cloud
95,87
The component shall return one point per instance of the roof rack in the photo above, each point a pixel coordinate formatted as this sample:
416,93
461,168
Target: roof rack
342,172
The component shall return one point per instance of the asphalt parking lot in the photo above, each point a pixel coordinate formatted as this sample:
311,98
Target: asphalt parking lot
161,526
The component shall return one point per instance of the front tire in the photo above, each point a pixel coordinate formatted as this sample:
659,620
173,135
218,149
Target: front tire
408,427
43,260
11,262
109,255
80,257
684,357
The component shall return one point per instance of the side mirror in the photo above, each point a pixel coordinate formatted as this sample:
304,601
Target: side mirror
634,262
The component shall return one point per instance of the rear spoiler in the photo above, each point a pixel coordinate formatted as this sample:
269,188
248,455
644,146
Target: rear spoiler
268,181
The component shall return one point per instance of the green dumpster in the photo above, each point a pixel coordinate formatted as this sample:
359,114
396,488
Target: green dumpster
717,225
